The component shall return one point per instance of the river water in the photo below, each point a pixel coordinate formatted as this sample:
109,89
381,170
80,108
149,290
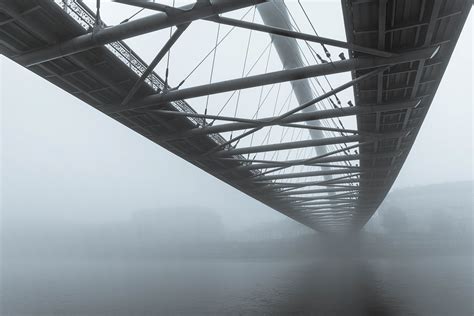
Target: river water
408,286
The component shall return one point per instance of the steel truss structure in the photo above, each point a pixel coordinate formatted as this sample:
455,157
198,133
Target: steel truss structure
398,52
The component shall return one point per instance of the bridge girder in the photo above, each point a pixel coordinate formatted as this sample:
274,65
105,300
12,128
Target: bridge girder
155,22
242,123
335,67
360,189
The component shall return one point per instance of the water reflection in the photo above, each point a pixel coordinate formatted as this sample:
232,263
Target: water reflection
333,285
337,286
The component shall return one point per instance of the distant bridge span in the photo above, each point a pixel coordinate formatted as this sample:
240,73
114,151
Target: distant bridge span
398,51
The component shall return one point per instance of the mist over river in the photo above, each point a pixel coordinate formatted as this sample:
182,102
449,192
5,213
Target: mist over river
339,286
409,260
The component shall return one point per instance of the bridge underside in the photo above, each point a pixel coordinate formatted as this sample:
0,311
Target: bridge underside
400,25
399,51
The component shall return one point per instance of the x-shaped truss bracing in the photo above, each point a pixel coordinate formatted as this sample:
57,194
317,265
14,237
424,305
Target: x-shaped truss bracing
331,186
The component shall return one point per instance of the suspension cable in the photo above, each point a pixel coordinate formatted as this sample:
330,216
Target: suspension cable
328,54
98,20
213,65
210,52
309,46
295,26
261,90
317,55
132,16
245,65
267,137
248,73
168,56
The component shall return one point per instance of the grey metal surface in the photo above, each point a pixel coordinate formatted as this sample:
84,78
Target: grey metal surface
390,107
395,26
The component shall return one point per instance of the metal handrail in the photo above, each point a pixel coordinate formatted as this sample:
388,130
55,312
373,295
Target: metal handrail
81,13
84,16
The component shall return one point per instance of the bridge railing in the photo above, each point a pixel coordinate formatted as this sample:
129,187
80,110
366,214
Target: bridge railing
82,14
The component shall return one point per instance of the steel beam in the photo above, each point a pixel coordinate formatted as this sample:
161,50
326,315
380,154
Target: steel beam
305,174
322,201
298,35
294,118
163,51
272,78
264,28
302,107
328,129
130,29
341,158
197,115
327,214
329,183
344,194
332,208
344,166
328,202
316,191
312,161
151,6
331,218
334,184
275,14
308,203
308,143
290,145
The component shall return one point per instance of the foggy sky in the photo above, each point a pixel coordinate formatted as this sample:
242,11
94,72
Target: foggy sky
61,159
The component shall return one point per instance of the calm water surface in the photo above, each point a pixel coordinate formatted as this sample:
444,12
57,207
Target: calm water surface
408,286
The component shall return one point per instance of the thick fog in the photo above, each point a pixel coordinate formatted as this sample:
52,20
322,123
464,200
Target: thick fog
63,160
80,190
